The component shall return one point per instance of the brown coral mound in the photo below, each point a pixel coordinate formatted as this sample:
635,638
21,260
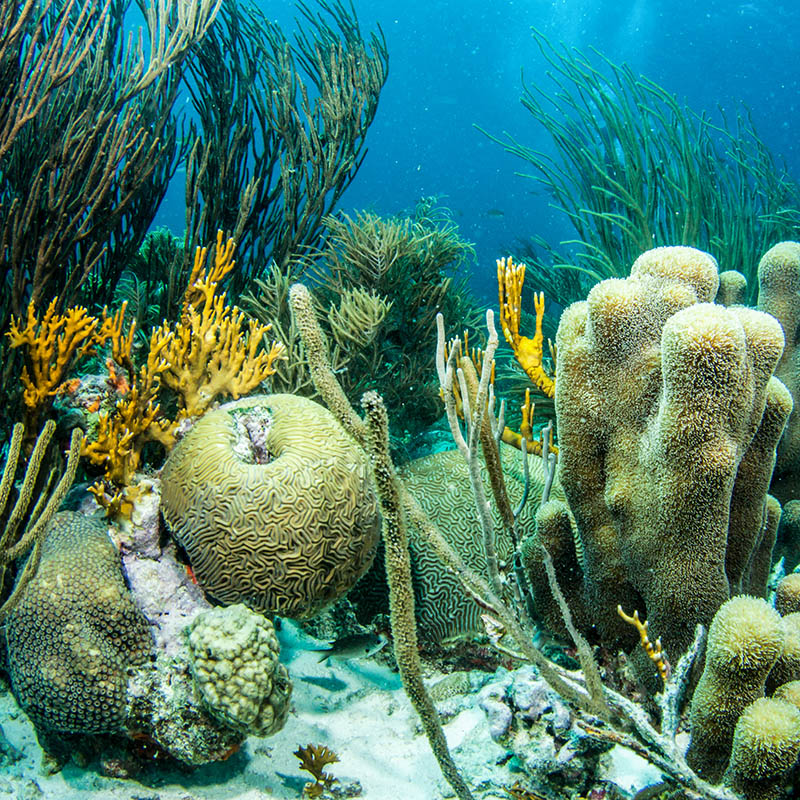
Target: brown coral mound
75,632
274,504
668,419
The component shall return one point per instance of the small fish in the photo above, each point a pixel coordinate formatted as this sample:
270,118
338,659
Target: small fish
495,212
359,645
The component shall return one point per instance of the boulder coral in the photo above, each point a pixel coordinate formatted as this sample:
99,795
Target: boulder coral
668,418
234,663
274,504
75,633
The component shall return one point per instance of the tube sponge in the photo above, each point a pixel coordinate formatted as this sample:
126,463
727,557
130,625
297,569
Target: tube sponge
744,642
766,744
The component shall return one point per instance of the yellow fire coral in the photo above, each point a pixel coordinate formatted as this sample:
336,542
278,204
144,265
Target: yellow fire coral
121,434
528,352
208,353
54,346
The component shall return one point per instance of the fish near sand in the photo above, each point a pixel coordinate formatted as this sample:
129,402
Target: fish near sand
359,645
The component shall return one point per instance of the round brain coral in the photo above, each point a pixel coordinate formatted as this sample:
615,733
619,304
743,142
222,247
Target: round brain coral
75,632
274,504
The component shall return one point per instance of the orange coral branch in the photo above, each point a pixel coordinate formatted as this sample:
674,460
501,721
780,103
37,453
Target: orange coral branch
54,345
654,651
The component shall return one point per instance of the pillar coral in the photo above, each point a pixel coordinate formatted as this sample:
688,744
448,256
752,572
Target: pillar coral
668,419
779,295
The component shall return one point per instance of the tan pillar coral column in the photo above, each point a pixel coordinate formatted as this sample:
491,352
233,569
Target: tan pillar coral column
668,419
779,295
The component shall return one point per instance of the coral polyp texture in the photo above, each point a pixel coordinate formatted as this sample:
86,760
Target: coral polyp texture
234,662
668,420
274,503
744,642
76,632
779,295
740,735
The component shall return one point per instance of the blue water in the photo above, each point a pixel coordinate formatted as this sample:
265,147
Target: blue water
454,65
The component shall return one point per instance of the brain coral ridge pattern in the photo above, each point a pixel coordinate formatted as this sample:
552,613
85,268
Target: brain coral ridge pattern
75,632
669,416
440,483
274,504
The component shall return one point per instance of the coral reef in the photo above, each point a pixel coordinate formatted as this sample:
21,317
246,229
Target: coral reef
372,435
75,632
274,504
668,419
381,281
234,663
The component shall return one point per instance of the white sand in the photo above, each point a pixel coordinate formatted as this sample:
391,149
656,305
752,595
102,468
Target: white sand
360,711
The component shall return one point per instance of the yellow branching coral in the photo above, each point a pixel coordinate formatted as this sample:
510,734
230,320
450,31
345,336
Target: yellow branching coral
54,345
653,649
202,280
134,420
211,351
528,352
208,353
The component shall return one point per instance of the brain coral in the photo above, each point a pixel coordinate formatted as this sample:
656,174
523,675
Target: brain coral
75,632
236,669
440,482
274,504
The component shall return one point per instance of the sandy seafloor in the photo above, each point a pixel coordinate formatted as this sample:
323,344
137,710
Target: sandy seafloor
357,708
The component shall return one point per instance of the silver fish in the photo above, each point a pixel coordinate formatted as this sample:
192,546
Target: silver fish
359,645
